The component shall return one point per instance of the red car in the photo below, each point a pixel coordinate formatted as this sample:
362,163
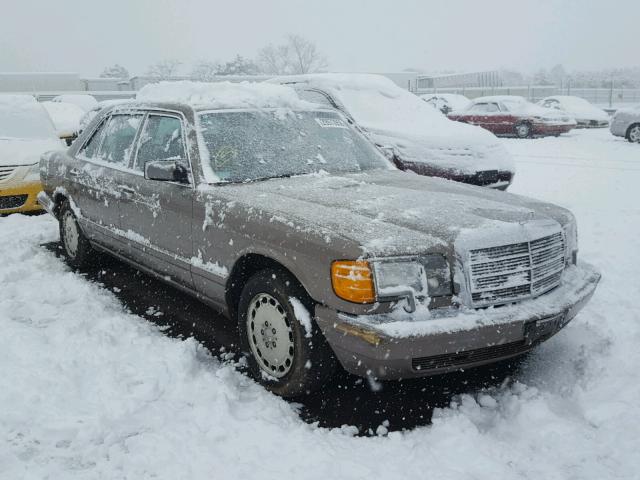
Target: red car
514,116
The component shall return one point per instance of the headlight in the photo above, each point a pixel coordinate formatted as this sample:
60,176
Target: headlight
364,282
571,242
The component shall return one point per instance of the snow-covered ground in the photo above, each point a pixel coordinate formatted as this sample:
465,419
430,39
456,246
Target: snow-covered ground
88,390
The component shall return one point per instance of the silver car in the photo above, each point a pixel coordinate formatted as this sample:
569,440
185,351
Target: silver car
626,123
295,226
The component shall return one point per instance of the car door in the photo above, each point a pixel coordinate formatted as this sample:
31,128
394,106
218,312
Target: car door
101,164
155,215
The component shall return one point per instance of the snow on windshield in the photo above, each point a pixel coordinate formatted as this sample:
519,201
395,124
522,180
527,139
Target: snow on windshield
23,118
248,145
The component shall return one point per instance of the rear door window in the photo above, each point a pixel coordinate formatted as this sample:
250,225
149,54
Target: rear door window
161,139
119,133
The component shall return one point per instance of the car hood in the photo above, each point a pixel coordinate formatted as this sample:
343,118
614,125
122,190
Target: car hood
587,113
459,147
393,212
25,152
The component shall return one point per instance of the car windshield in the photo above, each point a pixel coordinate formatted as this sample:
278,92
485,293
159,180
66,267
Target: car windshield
27,121
514,105
251,145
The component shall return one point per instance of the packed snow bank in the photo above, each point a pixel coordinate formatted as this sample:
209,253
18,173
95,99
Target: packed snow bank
88,390
223,95
397,118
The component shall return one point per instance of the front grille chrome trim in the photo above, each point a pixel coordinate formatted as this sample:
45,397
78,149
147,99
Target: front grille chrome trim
514,272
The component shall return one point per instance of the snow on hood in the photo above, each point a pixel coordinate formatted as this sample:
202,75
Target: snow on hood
390,212
224,95
579,108
397,118
25,152
66,117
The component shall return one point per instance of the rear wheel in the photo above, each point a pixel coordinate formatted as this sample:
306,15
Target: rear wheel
523,130
287,352
77,248
633,134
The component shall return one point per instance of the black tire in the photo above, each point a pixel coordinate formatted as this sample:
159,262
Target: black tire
81,254
313,362
523,130
633,138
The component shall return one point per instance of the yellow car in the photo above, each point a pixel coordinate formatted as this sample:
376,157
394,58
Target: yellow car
26,132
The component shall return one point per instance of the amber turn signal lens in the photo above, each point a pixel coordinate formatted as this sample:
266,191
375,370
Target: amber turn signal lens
353,281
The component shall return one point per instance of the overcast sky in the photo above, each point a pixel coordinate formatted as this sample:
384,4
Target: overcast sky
378,36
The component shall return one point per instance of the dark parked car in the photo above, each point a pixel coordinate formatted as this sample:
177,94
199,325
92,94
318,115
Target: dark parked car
286,218
514,116
408,130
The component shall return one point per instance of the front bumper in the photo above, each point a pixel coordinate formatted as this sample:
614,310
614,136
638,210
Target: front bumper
18,197
423,343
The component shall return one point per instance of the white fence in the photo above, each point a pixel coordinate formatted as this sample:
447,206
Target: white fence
606,97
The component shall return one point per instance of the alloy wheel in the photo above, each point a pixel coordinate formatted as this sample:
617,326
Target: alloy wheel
71,235
270,335
634,134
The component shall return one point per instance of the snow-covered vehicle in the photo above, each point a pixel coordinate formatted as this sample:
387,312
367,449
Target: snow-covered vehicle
85,101
26,132
626,123
408,130
279,213
585,114
512,115
446,102
66,119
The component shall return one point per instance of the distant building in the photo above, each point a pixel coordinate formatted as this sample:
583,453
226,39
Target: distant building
490,78
32,82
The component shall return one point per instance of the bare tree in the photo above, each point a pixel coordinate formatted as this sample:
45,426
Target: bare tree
205,71
115,71
297,55
164,69
238,66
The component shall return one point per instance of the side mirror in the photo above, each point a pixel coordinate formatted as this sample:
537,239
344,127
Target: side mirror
166,171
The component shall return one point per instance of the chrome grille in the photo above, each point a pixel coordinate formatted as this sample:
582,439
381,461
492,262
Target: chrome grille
6,172
509,273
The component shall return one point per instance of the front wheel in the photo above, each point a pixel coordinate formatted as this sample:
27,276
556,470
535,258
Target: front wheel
287,352
633,135
523,130
77,248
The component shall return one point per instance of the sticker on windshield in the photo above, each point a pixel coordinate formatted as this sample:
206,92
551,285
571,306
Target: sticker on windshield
327,122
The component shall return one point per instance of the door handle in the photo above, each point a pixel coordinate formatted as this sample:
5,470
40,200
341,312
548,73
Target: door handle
128,190
74,172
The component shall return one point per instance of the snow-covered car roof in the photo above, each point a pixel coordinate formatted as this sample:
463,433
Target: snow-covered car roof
396,117
223,95
22,117
84,101
26,130
519,105
66,117
501,98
